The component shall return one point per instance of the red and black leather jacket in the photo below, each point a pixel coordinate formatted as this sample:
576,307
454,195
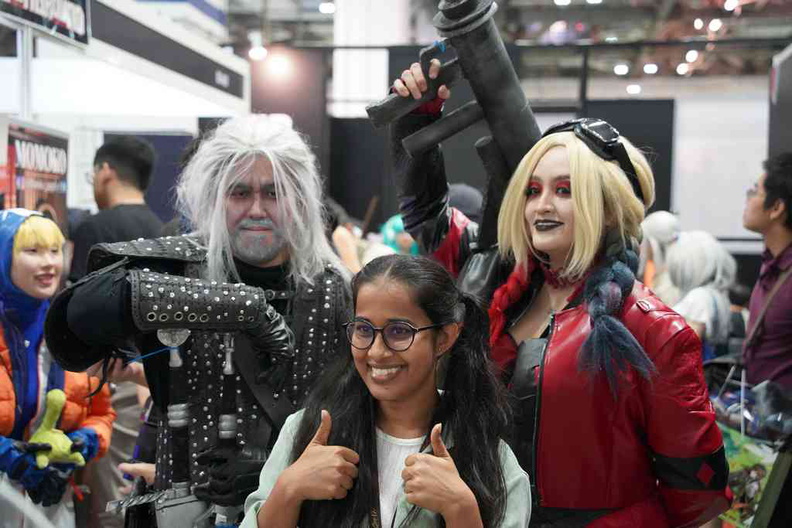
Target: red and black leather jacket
653,456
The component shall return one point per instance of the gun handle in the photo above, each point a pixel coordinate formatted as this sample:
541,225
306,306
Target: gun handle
395,106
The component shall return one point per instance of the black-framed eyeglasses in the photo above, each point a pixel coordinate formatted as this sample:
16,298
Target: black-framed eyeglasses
604,141
398,335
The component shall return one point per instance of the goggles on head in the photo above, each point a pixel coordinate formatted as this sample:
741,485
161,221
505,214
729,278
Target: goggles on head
604,141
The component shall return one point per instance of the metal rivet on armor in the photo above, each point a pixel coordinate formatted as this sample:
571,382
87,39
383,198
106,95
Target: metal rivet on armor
160,289
186,308
151,316
310,290
195,295
171,295
170,307
240,318
155,307
151,294
148,286
310,318
209,308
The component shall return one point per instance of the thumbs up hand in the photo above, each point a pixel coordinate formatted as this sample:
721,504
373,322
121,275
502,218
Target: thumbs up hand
432,482
322,472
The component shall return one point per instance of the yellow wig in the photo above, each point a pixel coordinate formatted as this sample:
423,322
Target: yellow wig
38,232
602,195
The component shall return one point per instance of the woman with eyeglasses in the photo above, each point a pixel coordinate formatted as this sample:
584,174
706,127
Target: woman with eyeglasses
377,443
612,420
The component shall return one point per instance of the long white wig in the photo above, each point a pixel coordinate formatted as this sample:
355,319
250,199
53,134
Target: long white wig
699,260
224,158
660,230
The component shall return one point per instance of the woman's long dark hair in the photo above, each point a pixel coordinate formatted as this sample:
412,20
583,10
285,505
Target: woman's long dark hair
472,407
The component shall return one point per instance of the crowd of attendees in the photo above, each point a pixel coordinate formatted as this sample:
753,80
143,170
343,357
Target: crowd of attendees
690,271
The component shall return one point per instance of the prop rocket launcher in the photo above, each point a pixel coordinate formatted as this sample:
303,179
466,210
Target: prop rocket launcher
467,26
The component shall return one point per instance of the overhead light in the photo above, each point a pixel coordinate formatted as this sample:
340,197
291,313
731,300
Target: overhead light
279,66
562,2
683,68
621,69
691,56
611,39
715,24
593,1
327,8
258,53
633,89
698,24
731,5
650,68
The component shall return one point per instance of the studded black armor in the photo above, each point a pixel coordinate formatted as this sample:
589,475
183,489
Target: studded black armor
166,290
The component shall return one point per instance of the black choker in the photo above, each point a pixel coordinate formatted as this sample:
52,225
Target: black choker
553,278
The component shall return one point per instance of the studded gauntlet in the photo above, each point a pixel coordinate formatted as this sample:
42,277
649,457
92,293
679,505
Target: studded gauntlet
161,301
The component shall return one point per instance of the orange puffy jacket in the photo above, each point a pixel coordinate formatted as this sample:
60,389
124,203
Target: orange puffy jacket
80,410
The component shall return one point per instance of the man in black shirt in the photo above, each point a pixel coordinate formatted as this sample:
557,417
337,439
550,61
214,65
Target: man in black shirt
122,171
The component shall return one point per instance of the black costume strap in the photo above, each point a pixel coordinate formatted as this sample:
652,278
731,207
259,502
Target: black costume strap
277,409
708,472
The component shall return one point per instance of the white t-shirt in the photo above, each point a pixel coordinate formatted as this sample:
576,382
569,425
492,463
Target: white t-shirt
391,452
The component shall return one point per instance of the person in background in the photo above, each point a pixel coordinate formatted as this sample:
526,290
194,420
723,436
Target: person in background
767,353
122,170
660,230
31,263
703,271
390,449
466,199
768,356
397,238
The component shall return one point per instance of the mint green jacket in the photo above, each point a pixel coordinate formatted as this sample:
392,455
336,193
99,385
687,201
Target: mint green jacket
518,489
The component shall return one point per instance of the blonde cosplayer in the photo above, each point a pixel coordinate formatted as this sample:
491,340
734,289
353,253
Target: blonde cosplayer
38,232
603,199
223,159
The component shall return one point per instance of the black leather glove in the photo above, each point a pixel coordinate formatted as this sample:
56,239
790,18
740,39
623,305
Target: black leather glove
233,474
53,485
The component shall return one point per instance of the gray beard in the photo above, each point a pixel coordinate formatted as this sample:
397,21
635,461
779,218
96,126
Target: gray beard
254,253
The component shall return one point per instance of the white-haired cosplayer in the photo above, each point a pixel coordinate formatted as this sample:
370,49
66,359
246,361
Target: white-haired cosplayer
660,230
703,270
256,286
228,157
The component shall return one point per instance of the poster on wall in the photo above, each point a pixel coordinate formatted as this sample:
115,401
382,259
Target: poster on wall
37,161
67,18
